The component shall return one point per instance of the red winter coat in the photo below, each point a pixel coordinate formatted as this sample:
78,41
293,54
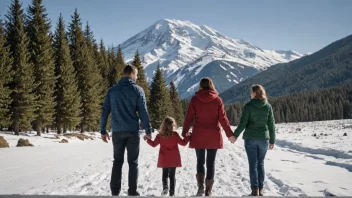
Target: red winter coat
169,155
206,111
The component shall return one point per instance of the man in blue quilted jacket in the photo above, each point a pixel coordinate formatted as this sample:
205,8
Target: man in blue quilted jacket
127,104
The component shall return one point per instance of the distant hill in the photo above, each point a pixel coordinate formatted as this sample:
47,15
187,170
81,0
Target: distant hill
328,67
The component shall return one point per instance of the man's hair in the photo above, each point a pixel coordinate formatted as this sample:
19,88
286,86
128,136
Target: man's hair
129,69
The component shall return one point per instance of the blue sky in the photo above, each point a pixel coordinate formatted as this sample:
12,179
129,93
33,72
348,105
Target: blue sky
301,25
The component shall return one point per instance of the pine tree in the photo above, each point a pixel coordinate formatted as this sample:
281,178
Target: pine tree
159,102
38,27
88,36
176,104
89,80
5,79
100,91
99,58
141,80
119,64
104,67
68,99
74,30
347,109
22,85
184,104
103,64
112,68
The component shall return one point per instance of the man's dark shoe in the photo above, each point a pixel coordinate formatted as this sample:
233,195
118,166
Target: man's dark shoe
134,194
115,193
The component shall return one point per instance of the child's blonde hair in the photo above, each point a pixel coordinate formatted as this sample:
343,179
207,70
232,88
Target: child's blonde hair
167,127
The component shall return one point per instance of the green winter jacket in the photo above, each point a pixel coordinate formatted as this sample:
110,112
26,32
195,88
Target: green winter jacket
258,120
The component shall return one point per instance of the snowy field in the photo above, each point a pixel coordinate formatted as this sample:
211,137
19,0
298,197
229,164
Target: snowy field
312,159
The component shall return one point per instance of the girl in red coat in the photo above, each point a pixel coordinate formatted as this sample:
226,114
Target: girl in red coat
206,112
169,155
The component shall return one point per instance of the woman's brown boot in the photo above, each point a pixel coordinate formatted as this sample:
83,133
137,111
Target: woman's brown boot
209,187
200,183
261,192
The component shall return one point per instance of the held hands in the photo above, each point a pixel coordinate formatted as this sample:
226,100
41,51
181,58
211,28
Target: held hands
147,137
188,136
232,139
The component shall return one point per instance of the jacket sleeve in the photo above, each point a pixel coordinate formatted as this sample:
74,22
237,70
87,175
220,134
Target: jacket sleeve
243,122
142,111
223,119
154,143
271,126
191,112
182,142
106,109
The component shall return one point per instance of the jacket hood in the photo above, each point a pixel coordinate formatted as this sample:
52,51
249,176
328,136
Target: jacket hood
258,103
125,81
206,95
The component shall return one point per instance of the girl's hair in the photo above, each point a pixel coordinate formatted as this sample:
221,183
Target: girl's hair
259,91
167,127
207,84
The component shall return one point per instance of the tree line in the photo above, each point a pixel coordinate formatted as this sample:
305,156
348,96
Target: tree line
332,103
58,80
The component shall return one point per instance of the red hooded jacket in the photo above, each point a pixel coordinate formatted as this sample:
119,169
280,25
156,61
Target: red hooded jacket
169,154
206,110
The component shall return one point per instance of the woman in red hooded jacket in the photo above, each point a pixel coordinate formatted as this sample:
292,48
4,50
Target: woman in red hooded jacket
206,111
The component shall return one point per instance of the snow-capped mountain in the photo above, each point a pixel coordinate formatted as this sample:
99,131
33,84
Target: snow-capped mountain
187,52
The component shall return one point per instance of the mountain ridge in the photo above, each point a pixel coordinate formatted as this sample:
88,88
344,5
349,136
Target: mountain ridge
330,66
181,46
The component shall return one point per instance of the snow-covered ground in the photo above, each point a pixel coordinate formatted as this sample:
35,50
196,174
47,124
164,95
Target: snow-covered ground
301,164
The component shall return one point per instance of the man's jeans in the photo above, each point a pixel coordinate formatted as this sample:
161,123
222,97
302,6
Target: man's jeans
256,151
122,140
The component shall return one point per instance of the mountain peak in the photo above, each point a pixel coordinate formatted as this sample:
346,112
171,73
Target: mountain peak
174,22
184,49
